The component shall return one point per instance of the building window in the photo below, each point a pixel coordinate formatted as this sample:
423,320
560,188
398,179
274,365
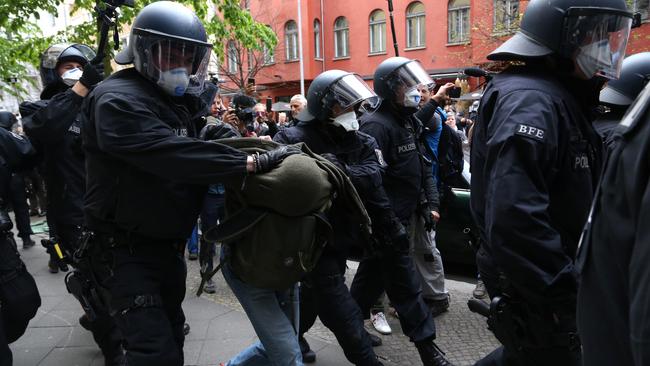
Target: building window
640,6
233,58
317,53
415,29
269,57
291,40
377,32
341,34
458,21
506,15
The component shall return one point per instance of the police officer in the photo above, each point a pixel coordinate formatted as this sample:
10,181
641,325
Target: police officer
614,294
409,186
535,163
329,127
53,125
18,196
619,94
19,297
147,177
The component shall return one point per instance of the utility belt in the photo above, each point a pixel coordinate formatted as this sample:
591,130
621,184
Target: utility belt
119,239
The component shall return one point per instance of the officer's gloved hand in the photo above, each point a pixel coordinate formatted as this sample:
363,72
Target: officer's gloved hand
334,160
398,236
426,213
92,75
218,131
270,159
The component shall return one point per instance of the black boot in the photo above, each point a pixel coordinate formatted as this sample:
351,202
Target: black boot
374,340
28,242
308,356
431,355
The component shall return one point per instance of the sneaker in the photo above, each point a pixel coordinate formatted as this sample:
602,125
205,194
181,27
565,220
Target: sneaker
84,321
438,306
431,355
479,291
209,287
380,323
308,356
28,243
193,256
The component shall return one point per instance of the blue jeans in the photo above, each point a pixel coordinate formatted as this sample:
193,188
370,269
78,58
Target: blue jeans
271,314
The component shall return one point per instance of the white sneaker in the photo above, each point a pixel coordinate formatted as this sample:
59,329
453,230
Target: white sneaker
380,323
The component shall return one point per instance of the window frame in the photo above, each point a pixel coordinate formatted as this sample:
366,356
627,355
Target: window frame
233,57
512,20
419,19
375,26
317,40
458,11
291,41
644,9
344,33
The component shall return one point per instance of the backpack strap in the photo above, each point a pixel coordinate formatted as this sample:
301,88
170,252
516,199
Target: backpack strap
235,225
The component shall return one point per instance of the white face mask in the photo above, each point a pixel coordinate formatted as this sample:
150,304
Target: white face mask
70,77
594,57
174,81
412,98
348,121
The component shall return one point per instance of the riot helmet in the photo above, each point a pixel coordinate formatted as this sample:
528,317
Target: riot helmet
341,91
7,120
592,34
396,80
635,74
169,46
59,53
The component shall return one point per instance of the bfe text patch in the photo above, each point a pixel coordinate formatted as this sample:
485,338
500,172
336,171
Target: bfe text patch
530,132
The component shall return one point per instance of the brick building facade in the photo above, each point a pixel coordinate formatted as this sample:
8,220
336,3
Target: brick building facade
354,35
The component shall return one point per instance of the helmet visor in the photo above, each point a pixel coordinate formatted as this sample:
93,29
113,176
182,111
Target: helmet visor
351,90
185,61
596,40
411,75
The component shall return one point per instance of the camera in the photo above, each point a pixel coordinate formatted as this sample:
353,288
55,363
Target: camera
246,116
118,3
454,92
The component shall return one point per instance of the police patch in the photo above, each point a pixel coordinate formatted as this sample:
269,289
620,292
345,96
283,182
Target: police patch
530,132
380,158
16,136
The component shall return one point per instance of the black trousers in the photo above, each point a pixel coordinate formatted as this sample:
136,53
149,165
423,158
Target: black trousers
104,330
146,286
18,197
393,270
538,356
19,297
325,295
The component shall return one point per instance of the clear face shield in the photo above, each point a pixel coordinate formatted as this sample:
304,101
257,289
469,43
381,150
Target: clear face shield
405,81
596,40
351,91
178,66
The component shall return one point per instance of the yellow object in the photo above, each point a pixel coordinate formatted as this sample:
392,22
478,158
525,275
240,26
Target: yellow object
58,251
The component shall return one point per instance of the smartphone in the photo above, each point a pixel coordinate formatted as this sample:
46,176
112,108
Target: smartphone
454,92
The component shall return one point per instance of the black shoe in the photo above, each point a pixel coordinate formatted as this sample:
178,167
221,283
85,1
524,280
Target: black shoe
28,243
186,329
85,322
431,355
193,256
308,356
374,340
53,266
438,306
209,287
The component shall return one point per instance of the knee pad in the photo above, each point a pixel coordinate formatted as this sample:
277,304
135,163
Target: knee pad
20,302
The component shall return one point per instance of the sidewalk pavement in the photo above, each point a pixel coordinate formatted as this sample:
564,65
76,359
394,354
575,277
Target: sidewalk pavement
219,327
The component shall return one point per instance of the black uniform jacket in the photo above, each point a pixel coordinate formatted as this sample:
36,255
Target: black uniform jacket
407,174
359,154
54,127
146,173
535,163
614,256
16,152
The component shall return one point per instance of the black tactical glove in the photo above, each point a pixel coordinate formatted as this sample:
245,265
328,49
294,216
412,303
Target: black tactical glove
270,159
398,236
334,160
425,213
92,75
217,131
